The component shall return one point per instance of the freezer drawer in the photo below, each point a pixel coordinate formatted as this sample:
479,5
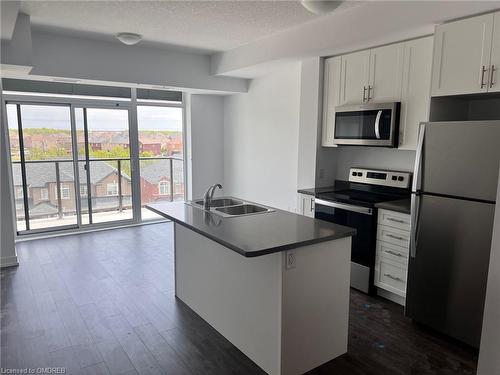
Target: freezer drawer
461,159
448,270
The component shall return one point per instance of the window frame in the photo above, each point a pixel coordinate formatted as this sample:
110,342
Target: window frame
115,184
64,188
165,183
44,194
23,98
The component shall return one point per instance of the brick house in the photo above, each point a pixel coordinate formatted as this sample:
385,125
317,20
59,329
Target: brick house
43,195
155,180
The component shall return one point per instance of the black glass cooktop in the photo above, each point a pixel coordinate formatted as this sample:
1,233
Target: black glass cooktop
361,194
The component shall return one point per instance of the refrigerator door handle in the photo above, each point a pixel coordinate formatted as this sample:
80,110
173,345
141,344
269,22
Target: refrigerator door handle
415,211
418,159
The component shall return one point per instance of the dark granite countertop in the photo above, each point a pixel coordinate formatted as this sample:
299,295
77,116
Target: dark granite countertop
316,191
253,235
401,205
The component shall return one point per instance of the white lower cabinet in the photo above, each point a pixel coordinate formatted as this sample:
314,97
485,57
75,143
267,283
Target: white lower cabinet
392,251
305,205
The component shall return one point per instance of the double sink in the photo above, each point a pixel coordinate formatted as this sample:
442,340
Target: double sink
231,207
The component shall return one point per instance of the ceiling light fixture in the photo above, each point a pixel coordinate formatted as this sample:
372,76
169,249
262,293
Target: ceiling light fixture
129,38
320,6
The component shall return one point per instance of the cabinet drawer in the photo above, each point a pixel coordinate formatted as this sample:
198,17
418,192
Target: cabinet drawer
393,235
395,253
394,219
390,277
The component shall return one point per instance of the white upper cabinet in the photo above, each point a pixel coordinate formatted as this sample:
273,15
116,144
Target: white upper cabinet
386,71
416,87
331,98
354,77
462,54
494,85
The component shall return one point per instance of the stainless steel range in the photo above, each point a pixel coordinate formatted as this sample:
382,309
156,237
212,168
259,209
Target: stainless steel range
352,203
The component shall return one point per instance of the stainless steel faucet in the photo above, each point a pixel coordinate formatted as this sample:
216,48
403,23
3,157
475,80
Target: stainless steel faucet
209,195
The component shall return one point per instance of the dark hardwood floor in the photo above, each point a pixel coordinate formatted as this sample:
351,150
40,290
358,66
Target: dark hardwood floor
103,303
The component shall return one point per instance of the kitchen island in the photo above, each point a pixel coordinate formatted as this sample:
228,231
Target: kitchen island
275,284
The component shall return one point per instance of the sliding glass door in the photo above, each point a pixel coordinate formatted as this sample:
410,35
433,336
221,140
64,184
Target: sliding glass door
104,164
82,160
43,172
71,166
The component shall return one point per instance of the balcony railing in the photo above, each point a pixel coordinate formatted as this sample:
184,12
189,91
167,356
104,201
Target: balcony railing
105,185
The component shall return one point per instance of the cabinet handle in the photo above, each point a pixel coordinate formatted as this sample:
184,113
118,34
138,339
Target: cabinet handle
364,94
311,204
491,75
369,89
393,253
396,237
483,70
396,220
393,277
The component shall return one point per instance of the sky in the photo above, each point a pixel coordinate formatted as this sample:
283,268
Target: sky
58,117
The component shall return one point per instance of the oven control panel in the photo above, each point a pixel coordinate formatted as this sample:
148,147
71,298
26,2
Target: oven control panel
380,177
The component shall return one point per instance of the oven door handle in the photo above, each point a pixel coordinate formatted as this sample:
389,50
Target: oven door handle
345,206
377,124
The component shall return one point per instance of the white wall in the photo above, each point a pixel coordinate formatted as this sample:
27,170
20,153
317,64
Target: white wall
8,255
261,130
316,164
207,142
489,359
372,157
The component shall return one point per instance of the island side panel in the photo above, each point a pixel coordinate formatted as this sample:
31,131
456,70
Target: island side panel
240,297
316,305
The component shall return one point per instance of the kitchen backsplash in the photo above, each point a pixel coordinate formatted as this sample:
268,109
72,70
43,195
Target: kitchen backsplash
372,157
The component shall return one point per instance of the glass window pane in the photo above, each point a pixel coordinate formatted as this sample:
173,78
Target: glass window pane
161,155
109,153
47,141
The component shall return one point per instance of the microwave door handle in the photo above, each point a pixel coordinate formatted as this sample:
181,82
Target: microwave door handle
377,124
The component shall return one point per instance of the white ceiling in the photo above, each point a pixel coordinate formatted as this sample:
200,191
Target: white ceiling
205,25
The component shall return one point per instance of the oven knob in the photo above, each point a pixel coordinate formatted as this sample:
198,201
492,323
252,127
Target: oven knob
354,173
401,178
394,178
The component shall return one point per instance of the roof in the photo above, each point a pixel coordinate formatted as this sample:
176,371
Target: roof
40,174
43,208
155,171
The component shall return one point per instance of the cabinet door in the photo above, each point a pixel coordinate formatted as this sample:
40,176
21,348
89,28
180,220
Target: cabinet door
462,56
415,98
354,76
386,73
331,96
307,205
494,85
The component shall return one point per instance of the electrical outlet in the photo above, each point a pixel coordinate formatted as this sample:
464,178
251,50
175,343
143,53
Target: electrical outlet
290,260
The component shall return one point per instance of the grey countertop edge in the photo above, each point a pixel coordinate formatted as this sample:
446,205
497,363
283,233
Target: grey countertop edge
252,254
401,205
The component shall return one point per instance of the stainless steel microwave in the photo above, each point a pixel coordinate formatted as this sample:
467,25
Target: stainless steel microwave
372,124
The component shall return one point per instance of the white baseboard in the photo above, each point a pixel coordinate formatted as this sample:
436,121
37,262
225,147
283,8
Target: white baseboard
8,261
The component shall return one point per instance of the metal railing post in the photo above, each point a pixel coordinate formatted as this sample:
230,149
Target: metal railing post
171,180
120,197
58,188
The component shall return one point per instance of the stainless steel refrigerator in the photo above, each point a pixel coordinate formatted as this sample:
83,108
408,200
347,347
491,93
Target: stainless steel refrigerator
453,203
